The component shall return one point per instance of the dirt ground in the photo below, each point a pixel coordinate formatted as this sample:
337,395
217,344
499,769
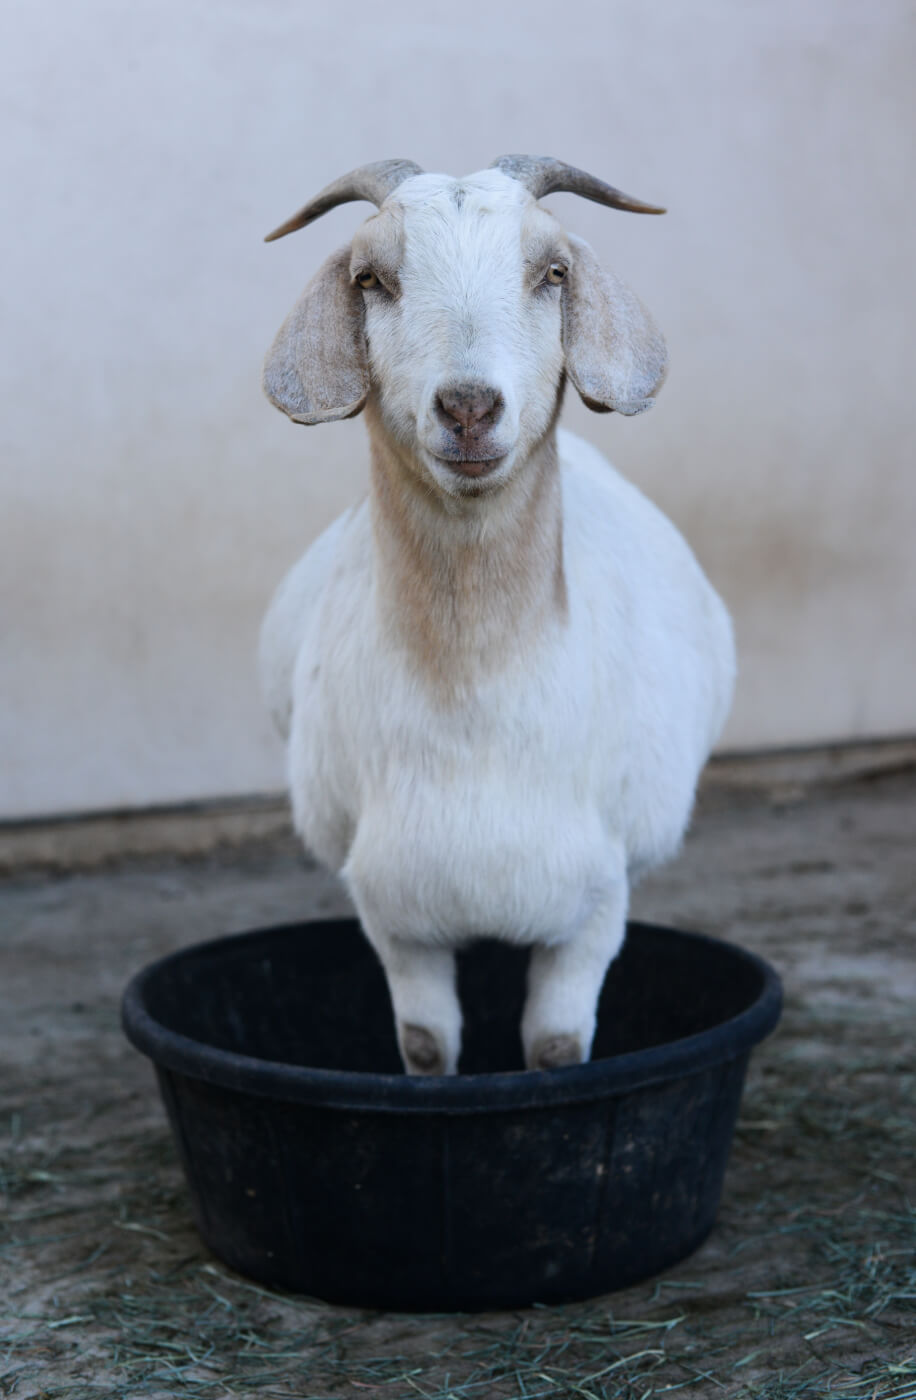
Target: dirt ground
807,1286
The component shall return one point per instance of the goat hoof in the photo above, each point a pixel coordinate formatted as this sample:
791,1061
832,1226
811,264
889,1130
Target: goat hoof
421,1051
556,1051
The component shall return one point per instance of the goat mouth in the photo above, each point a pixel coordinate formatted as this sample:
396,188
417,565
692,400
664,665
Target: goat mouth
468,466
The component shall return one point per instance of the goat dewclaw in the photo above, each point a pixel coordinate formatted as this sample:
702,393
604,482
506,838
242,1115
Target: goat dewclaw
499,679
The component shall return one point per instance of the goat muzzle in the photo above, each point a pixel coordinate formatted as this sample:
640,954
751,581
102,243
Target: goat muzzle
469,409
467,412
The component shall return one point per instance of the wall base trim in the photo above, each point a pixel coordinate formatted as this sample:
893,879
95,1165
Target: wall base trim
86,840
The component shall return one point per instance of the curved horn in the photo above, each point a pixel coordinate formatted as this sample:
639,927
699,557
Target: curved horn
544,175
372,182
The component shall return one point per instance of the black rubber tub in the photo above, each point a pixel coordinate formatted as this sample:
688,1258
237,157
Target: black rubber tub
315,1164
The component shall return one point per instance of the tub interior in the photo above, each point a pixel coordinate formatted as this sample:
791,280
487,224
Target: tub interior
315,995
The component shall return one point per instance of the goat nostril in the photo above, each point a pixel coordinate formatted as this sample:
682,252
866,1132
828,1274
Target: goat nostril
463,407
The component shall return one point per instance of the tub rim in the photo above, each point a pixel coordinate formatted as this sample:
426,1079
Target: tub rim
446,1094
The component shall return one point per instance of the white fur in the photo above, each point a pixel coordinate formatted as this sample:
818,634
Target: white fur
562,756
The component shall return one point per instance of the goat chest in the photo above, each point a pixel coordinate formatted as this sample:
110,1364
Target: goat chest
510,808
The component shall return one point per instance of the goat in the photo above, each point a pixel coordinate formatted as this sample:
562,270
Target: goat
500,675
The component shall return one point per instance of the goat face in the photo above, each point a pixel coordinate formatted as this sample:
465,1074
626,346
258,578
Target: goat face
460,308
463,322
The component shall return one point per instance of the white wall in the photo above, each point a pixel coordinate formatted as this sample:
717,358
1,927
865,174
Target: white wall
149,497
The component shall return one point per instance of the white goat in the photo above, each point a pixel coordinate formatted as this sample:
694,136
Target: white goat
501,675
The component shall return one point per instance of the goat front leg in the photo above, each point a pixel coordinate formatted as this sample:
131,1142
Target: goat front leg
421,980
564,984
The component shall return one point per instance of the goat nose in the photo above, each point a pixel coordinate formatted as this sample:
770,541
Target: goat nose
464,407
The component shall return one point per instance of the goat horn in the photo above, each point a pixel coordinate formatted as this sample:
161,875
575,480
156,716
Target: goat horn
371,182
543,175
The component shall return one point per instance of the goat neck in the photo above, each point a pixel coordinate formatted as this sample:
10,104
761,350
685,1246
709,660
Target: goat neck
466,585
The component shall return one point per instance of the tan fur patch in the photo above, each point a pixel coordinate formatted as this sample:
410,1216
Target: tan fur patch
467,585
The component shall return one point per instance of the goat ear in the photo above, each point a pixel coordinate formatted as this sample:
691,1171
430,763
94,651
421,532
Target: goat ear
615,354
317,370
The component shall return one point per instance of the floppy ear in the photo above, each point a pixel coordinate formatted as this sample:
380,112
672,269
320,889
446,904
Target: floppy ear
615,354
316,371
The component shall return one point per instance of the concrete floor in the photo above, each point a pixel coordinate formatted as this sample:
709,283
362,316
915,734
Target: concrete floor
810,863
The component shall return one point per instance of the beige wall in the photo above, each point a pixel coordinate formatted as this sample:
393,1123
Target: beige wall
150,499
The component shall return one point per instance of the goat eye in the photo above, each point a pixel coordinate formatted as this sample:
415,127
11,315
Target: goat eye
367,279
556,272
